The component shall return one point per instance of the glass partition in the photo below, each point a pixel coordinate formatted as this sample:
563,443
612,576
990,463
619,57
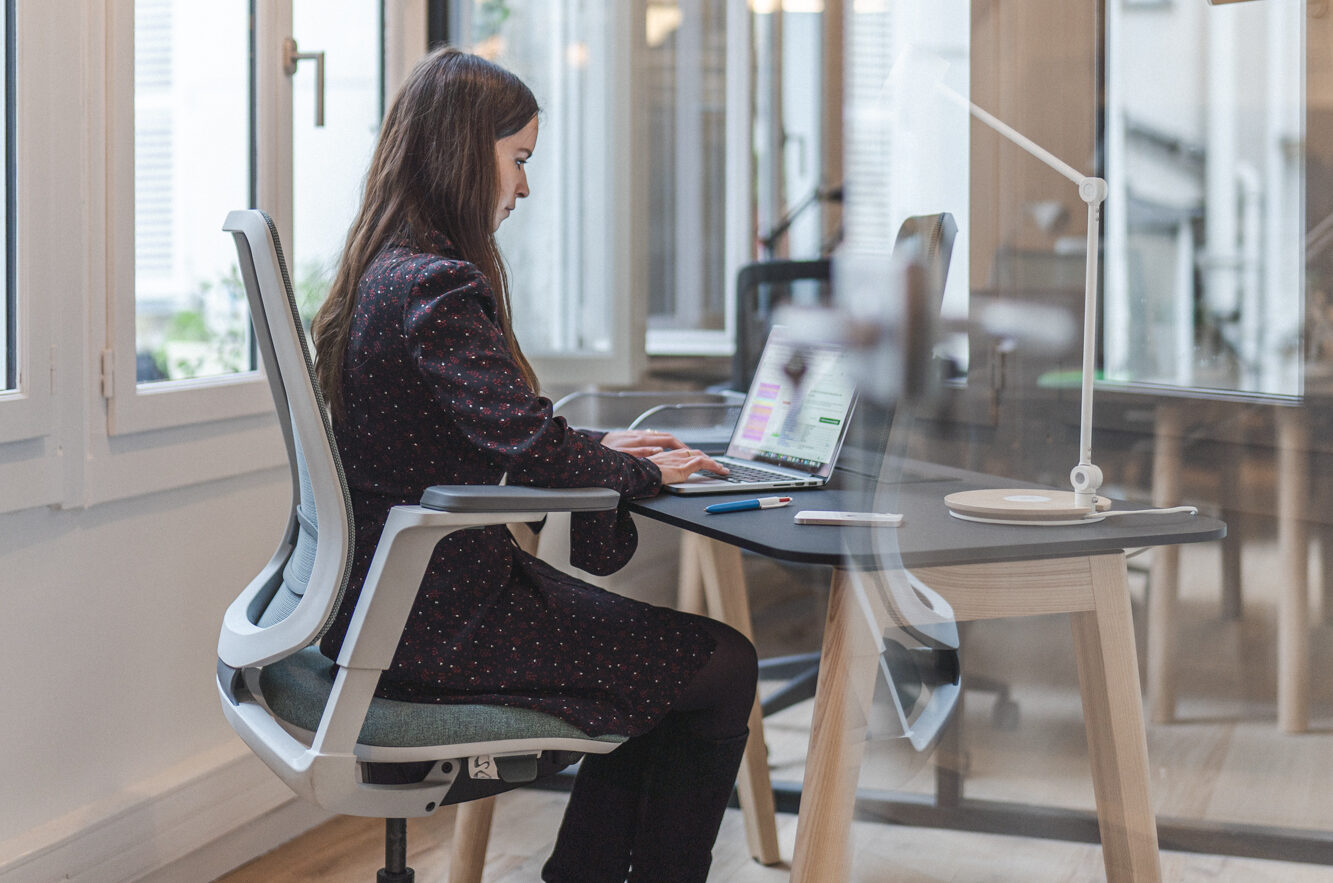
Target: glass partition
1211,124
1204,225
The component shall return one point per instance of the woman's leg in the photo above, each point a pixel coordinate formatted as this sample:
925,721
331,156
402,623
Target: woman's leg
716,703
597,832
614,816
692,768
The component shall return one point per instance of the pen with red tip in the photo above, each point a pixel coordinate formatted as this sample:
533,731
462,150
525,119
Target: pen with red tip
742,505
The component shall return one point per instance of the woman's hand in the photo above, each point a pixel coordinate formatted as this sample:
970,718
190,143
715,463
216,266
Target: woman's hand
679,464
641,442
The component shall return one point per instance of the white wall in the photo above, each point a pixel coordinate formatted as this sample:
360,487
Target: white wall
108,646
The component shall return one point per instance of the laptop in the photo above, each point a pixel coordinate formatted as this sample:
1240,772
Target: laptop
789,433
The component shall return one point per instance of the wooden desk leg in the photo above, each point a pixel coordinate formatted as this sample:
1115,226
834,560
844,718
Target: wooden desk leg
1293,616
1164,577
843,696
1108,676
472,833
690,587
724,587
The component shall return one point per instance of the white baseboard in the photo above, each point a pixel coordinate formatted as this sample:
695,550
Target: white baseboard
195,821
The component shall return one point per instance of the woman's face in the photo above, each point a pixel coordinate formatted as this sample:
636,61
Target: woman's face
511,153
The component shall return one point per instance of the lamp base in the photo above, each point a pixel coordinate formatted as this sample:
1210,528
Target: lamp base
1025,506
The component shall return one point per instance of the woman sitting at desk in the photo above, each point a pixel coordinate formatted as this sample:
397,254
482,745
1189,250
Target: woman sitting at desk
427,384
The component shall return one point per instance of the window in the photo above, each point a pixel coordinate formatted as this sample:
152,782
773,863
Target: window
575,278
192,153
699,161
121,161
330,159
685,72
219,103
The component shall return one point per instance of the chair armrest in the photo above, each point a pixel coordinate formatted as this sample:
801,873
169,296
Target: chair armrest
409,538
514,498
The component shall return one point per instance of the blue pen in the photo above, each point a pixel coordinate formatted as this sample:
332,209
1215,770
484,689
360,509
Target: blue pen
742,505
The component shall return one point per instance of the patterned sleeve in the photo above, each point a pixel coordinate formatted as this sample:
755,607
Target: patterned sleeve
453,337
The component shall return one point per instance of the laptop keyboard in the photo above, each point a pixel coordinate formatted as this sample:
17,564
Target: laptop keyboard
745,474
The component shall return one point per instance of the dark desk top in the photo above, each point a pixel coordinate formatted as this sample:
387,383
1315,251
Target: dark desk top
929,535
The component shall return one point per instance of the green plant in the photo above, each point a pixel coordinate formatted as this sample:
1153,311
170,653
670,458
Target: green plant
490,18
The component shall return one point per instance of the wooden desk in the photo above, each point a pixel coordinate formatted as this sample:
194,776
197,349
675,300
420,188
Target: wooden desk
984,571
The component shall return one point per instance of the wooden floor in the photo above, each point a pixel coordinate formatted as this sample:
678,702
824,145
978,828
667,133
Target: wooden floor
1223,761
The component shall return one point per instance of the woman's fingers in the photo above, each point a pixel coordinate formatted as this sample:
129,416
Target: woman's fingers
678,464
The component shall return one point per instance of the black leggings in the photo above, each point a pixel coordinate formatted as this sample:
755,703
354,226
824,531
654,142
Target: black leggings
716,703
657,800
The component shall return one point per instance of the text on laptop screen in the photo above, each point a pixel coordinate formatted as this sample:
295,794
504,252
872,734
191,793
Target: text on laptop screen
791,423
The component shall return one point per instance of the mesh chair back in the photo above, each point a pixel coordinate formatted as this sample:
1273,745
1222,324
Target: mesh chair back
310,570
760,290
932,237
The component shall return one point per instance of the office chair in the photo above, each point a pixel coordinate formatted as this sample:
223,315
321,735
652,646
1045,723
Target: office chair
318,725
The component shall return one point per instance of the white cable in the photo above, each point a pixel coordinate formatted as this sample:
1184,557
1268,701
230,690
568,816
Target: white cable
1090,518
1174,510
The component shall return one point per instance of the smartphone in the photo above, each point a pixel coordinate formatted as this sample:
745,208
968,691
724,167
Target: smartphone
849,519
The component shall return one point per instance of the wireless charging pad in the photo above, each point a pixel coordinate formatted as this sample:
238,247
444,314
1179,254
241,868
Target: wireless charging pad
1023,506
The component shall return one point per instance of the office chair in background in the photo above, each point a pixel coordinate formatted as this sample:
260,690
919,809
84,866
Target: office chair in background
318,726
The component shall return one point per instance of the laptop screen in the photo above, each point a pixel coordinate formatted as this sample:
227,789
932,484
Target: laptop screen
796,412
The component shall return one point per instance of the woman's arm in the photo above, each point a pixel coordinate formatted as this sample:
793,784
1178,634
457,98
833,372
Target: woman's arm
459,349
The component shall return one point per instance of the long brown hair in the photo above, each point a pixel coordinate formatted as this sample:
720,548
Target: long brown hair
433,170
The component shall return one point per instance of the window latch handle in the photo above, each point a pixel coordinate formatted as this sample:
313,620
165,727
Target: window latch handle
291,56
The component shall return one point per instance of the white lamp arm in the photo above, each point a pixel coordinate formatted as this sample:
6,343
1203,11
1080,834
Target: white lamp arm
1085,477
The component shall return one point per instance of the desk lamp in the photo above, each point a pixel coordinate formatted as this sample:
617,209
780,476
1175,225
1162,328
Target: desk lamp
1027,505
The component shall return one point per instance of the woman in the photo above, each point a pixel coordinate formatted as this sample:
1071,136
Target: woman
427,384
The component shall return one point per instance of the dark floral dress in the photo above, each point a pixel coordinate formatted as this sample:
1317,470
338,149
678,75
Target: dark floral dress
432,396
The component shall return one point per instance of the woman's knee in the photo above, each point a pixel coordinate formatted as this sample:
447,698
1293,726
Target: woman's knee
736,656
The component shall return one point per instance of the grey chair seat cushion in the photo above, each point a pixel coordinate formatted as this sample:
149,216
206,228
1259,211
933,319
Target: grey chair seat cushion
297,689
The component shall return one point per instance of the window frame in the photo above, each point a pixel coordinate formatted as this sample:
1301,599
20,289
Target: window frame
26,408
133,407
32,469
